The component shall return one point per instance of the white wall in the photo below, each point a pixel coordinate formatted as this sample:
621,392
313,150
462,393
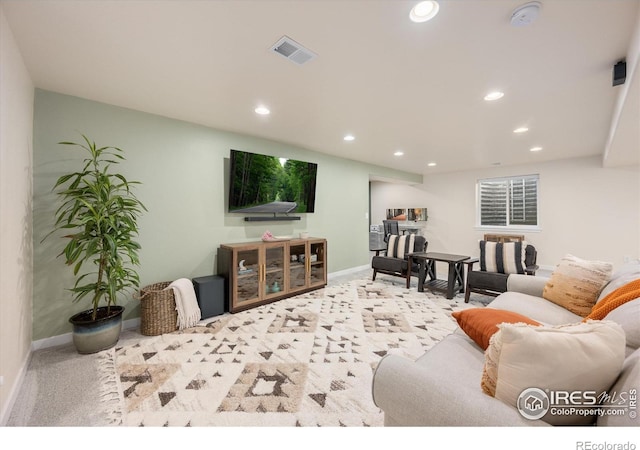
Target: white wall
16,279
586,210
623,143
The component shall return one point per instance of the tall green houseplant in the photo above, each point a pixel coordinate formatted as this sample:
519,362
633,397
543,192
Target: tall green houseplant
100,211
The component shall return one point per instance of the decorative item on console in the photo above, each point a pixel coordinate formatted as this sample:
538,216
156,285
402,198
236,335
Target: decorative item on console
267,236
242,269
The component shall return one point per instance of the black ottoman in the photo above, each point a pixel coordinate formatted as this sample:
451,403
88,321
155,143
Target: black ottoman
211,295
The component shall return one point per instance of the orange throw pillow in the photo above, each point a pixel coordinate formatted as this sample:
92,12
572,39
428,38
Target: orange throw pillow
482,323
620,296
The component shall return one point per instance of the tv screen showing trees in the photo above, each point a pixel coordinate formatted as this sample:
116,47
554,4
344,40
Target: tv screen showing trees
269,184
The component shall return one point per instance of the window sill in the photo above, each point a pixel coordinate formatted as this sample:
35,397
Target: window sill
494,229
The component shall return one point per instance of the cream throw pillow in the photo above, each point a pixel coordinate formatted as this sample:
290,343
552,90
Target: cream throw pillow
582,356
576,283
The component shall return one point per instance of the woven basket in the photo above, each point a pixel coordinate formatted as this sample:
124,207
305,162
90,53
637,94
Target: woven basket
158,313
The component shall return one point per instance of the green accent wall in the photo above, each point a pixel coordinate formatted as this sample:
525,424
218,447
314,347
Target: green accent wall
183,170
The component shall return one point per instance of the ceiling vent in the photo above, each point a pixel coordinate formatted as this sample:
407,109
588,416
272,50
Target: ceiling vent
293,51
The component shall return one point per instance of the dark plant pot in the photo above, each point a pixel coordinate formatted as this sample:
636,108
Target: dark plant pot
92,336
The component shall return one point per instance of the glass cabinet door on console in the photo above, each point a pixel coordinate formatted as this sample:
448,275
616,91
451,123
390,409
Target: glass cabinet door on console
307,264
317,263
248,269
297,266
255,272
273,278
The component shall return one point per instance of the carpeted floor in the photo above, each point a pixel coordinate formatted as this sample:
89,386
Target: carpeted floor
303,361
62,389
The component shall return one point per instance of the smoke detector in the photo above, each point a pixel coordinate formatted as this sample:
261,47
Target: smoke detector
525,14
293,51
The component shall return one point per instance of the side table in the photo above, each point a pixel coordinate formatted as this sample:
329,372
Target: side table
427,267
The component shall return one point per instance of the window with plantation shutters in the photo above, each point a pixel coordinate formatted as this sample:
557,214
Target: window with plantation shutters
508,202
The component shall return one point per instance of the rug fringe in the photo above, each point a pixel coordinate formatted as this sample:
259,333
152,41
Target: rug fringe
111,395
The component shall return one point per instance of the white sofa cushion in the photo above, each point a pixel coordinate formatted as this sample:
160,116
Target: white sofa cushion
535,308
569,358
441,388
620,277
628,316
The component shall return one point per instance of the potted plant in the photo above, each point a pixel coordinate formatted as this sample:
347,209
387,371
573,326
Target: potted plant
100,211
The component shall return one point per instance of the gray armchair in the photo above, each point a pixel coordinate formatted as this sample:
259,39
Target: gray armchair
390,227
395,261
491,279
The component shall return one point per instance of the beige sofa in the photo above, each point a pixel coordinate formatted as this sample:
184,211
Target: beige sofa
442,388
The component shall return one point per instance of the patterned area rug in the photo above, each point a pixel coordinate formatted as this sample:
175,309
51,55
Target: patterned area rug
304,361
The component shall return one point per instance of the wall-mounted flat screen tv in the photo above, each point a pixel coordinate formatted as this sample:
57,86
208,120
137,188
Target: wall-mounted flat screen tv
269,184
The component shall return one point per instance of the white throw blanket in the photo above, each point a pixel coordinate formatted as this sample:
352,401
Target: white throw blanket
186,303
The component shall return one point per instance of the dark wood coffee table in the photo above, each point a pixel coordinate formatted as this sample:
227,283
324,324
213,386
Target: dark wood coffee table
427,264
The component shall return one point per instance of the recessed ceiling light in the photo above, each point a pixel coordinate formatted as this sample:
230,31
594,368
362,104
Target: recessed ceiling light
424,11
521,130
262,110
493,96
431,164
398,153
349,137
535,149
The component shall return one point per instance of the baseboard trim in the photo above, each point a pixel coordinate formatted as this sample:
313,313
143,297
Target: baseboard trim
15,390
350,271
67,338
